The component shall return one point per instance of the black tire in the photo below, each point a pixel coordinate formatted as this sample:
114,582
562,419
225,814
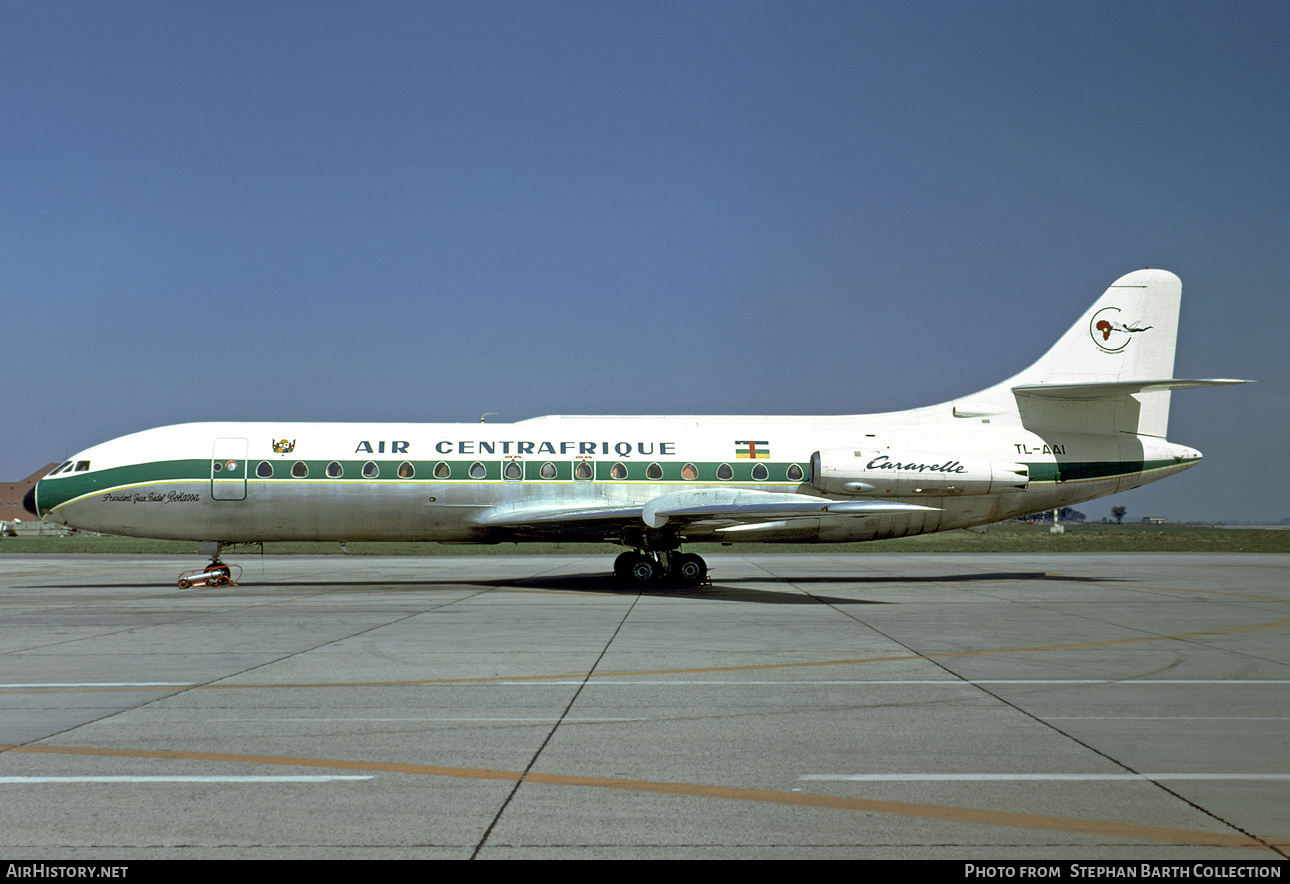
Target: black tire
690,569
636,569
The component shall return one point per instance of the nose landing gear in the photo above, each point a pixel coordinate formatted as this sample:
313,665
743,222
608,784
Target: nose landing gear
215,574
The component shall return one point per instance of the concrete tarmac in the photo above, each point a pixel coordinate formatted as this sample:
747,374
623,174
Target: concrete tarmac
812,706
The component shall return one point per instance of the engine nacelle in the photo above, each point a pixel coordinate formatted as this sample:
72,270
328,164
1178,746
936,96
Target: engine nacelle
900,471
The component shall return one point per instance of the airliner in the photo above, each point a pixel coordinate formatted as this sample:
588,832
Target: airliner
1086,420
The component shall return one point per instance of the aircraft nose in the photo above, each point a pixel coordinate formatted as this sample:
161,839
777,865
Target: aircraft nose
29,501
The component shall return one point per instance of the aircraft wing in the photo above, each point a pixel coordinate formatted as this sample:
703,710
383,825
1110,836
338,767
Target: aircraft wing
687,507
547,513
758,506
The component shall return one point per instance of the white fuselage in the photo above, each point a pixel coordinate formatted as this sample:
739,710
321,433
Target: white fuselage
225,481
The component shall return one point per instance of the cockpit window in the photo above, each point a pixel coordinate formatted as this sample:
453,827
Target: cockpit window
82,465
58,469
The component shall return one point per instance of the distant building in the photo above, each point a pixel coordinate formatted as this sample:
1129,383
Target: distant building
11,495
14,519
1154,520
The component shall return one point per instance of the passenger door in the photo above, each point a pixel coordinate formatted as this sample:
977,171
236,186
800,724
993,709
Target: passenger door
228,469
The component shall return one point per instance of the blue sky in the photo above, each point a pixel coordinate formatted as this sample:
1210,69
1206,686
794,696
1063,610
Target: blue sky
423,211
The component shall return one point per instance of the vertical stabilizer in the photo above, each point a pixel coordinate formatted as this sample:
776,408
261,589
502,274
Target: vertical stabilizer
1128,335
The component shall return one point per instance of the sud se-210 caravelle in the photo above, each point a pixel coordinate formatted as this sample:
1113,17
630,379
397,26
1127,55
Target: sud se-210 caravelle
1086,420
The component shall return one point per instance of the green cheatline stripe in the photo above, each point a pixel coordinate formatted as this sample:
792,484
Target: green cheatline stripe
1097,469
58,490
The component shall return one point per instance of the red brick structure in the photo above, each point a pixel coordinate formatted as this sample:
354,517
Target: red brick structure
11,496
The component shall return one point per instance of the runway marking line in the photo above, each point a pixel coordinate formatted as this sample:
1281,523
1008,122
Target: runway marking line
1041,777
125,778
1126,831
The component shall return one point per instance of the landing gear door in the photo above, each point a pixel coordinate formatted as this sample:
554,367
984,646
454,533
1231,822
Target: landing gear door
228,469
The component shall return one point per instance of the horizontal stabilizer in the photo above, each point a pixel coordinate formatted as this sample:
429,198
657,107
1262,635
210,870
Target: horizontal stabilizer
1107,389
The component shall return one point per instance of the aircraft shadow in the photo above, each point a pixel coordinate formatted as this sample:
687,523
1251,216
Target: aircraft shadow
735,589
720,587
974,577
717,591
583,583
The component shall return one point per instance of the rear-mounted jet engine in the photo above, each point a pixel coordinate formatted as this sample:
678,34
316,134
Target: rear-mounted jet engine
902,471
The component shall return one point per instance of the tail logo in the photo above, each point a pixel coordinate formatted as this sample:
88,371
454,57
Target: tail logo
1109,333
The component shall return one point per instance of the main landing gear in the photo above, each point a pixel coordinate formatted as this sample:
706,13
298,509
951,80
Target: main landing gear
639,568
215,574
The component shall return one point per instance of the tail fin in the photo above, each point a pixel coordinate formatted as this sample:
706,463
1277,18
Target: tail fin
1128,334
1111,372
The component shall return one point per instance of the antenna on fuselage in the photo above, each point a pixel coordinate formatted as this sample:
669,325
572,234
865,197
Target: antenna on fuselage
487,414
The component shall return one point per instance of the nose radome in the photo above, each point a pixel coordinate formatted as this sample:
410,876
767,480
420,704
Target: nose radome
29,501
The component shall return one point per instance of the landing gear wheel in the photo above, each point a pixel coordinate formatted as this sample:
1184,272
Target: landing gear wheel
215,574
690,569
623,566
636,569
